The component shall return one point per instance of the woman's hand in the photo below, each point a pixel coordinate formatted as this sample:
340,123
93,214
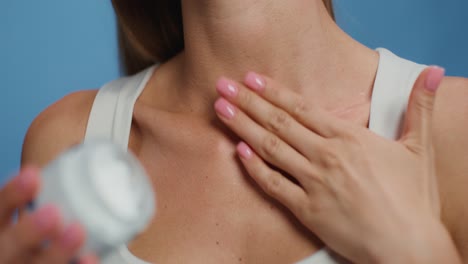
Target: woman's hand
368,198
23,242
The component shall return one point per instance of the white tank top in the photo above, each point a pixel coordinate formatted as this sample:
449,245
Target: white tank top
112,112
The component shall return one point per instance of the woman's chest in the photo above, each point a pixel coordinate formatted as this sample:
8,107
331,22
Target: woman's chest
208,208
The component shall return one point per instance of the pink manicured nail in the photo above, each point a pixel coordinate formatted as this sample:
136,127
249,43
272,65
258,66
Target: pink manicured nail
255,81
244,150
71,236
224,108
26,179
434,77
46,217
91,259
227,88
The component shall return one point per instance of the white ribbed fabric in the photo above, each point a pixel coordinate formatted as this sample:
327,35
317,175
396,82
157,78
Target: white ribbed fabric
112,113
393,84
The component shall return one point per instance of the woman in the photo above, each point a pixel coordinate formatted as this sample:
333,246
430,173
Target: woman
212,211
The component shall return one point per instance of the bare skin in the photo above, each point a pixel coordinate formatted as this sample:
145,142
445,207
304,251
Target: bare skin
358,192
209,210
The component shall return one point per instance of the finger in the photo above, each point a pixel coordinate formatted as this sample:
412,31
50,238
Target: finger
29,234
64,247
311,116
271,182
418,121
267,145
89,259
274,119
17,193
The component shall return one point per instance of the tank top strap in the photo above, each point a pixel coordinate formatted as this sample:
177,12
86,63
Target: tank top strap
112,111
392,88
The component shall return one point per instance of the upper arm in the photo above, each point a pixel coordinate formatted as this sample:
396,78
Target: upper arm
60,126
451,152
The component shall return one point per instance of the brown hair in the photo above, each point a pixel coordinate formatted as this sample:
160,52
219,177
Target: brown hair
151,31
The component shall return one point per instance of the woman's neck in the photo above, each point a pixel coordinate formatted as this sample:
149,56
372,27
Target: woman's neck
295,42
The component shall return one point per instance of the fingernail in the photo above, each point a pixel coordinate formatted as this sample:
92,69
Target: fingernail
224,108
227,88
25,179
90,259
244,150
71,236
255,81
434,77
46,217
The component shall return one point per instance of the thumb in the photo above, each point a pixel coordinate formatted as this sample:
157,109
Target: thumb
418,121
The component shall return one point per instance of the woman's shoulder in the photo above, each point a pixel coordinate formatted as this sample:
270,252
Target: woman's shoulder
452,84
58,127
450,130
450,119
452,101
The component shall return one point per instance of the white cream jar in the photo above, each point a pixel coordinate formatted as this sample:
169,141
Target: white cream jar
102,187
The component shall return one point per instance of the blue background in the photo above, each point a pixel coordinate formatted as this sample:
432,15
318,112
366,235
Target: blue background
49,48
